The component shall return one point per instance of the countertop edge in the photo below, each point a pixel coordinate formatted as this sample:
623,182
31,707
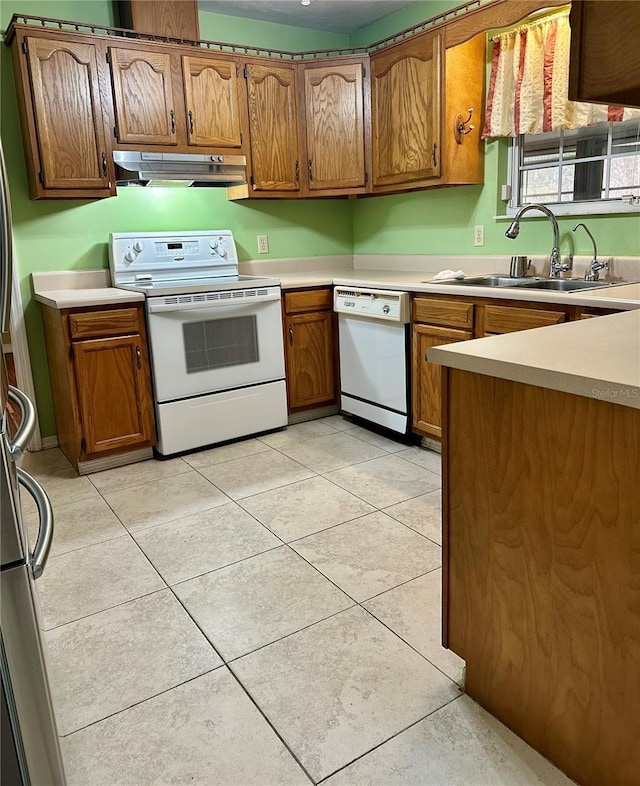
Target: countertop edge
596,366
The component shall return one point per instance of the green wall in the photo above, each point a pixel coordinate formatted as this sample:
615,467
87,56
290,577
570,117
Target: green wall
442,220
61,234
54,235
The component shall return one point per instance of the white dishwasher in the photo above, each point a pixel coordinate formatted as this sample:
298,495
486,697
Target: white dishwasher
373,327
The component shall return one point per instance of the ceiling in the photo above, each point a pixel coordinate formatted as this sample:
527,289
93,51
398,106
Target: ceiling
335,16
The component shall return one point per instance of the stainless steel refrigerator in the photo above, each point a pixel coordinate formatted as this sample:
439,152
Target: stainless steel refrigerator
30,751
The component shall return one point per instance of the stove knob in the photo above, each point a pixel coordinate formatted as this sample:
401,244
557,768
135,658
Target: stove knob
213,243
129,256
222,248
385,309
138,246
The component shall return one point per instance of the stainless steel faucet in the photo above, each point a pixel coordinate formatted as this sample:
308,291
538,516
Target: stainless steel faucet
593,274
555,264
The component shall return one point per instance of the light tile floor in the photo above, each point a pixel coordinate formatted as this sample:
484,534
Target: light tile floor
265,612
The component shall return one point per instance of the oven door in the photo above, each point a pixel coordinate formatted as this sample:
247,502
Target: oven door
208,342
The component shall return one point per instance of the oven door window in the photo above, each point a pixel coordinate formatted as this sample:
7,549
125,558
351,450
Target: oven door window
218,343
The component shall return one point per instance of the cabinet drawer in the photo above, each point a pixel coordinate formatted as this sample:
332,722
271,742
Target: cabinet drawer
502,319
311,300
443,312
93,324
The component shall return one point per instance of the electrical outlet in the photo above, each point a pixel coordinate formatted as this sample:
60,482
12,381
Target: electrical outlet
263,244
478,235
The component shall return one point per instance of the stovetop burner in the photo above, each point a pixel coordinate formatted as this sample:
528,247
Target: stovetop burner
211,284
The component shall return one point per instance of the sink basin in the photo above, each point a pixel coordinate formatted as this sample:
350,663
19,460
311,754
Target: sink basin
482,281
563,284
495,280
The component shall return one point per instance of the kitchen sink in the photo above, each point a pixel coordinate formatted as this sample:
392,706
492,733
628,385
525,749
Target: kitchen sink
495,280
482,281
563,284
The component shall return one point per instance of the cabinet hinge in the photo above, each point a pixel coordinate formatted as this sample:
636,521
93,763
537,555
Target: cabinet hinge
252,181
24,47
241,137
41,177
83,445
245,72
115,131
108,57
364,71
72,352
366,178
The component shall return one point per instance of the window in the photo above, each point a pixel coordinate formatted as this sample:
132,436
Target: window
578,171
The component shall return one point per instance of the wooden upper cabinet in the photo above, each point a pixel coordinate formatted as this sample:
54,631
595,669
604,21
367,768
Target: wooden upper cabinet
144,97
335,129
273,126
405,111
174,18
212,102
66,110
605,56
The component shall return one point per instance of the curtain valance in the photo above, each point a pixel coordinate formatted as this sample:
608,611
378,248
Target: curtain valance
529,83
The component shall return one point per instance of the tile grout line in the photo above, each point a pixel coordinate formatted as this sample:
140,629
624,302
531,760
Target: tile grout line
227,664
384,742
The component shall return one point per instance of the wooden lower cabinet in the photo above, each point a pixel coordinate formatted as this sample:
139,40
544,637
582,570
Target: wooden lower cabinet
495,319
541,568
439,319
426,377
309,349
100,381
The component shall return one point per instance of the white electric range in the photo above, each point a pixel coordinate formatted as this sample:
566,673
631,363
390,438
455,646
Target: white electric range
215,337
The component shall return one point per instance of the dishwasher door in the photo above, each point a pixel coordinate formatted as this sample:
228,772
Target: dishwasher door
374,376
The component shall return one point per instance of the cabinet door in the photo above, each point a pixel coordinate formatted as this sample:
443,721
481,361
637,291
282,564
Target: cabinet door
405,112
114,393
335,126
68,115
273,124
175,18
143,97
309,356
427,377
211,92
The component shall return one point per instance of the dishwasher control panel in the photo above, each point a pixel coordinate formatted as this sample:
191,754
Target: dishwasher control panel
384,304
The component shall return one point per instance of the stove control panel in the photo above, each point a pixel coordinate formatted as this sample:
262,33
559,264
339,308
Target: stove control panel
159,256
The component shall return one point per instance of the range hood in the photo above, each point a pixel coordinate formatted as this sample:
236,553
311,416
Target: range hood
178,169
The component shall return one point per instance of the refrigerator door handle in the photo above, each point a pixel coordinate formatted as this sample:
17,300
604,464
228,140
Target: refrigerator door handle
45,529
18,444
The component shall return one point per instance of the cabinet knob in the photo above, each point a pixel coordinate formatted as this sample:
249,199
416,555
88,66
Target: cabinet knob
105,170
433,155
172,115
191,122
291,334
310,168
139,356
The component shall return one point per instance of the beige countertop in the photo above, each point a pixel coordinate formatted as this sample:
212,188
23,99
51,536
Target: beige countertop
77,288
593,358
68,289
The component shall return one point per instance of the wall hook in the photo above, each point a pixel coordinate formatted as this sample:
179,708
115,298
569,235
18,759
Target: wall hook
459,124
